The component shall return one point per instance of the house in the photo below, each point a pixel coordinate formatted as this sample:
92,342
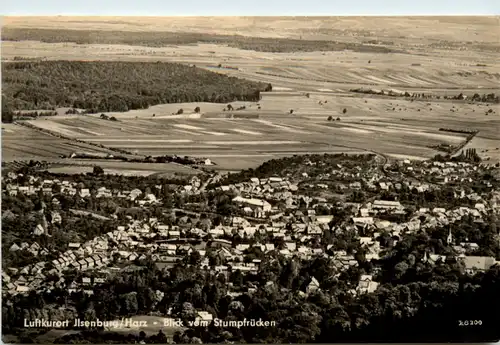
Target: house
313,286
364,212
474,264
56,217
386,205
324,219
90,262
216,232
433,258
242,247
84,192
366,284
469,245
314,229
39,230
14,247
22,289
174,233
259,206
365,241
74,245
204,317
362,221
438,210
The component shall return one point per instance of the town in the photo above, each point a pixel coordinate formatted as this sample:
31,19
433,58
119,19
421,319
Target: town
341,226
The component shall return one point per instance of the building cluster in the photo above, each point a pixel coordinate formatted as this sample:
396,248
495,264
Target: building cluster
275,216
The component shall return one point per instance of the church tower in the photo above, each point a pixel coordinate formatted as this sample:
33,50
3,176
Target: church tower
449,240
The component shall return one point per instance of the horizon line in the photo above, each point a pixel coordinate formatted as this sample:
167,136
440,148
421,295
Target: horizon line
255,15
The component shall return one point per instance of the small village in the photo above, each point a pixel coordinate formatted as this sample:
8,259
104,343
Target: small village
274,215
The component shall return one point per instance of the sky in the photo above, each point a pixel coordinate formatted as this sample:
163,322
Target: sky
249,7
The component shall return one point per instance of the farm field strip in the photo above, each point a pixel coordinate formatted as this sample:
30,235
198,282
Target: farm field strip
187,132
199,129
140,140
283,127
189,127
139,147
366,129
260,142
243,131
87,169
19,142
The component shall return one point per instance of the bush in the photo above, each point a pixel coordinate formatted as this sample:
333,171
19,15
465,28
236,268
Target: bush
180,111
344,111
197,109
98,170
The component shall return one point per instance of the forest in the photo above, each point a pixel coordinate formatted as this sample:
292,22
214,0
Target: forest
99,86
161,39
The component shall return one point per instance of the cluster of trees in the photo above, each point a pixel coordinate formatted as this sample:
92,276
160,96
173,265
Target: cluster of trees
99,86
109,118
491,97
412,296
7,113
161,39
297,164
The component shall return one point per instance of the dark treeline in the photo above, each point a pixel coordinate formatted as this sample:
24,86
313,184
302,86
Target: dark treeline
160,39
99,86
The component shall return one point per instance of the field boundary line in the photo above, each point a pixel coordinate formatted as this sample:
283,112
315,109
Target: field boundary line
61,136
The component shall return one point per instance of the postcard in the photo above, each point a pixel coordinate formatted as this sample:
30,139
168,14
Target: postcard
250,179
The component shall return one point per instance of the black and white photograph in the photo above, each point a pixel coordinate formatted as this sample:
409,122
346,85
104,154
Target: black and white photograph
250,173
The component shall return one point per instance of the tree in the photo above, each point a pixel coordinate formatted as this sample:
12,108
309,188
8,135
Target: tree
97,170
195,257
291,111
7,114
330,118
180,111
197,109
344,111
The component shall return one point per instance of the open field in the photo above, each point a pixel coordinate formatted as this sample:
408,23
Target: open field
436,55
487,149
22,143
370,124
398,29
434,70
119,168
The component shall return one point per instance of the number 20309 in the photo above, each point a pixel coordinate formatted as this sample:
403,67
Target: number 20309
465,323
